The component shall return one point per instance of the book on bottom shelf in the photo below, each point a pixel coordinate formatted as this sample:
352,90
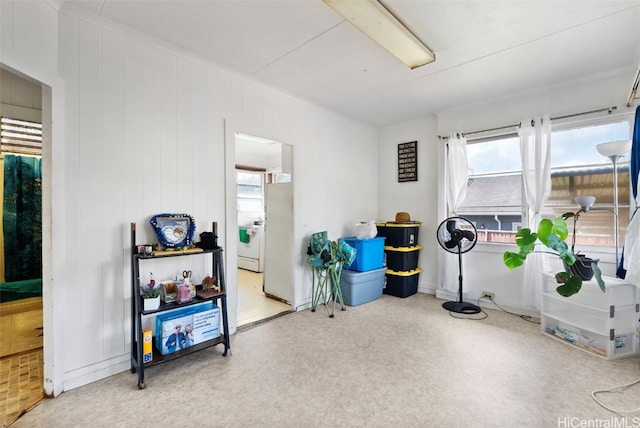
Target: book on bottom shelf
186,327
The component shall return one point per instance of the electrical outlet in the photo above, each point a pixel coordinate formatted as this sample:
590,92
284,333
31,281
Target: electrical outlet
488,295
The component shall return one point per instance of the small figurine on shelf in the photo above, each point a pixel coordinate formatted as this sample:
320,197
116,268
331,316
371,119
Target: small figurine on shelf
210,282
186,275
209,287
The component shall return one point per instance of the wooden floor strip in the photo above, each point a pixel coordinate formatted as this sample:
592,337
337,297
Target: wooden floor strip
21,384
21,358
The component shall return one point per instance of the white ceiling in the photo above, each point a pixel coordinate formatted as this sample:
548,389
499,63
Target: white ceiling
484,49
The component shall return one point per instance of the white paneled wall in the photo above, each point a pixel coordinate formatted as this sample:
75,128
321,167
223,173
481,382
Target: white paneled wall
418,198
572,97
29,29
144,133
484,269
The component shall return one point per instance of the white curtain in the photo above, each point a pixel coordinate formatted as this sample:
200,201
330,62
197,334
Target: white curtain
457,181
535,151
457,171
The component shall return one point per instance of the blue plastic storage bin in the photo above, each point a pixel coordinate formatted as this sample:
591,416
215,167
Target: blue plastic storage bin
369,253
361,287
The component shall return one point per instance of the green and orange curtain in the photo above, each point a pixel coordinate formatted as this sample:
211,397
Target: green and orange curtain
22,217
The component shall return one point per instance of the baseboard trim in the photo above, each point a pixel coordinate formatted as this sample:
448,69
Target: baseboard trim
92,373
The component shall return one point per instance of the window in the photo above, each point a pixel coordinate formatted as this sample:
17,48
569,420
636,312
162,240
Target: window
494,201
250,191
20,136
494,196
281,177
577,169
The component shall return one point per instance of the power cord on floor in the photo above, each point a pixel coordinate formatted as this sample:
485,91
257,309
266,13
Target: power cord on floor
593,395
534,320
527,318
484,315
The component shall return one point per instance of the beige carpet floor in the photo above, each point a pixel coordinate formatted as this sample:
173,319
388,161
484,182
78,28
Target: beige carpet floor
389,363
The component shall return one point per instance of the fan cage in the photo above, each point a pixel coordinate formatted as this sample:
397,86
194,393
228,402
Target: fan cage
445,235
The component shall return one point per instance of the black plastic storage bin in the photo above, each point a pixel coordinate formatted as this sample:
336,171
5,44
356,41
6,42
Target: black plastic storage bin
402,284
399,234
402,258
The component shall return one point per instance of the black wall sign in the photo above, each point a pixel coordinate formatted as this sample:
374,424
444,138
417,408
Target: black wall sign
408,161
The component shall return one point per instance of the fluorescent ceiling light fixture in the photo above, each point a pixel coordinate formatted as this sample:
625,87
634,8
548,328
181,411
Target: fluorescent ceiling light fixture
373,19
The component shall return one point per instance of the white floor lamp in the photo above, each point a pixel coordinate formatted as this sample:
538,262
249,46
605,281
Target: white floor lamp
614,150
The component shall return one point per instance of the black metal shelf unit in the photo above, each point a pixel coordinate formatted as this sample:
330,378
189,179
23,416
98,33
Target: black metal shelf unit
137,311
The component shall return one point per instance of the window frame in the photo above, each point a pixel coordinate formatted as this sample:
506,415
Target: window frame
252,198
559,125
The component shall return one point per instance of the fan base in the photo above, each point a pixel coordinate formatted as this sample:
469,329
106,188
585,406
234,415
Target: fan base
461,307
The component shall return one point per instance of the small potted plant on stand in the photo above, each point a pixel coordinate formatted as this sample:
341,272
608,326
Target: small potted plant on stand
552,234
584,266
150,295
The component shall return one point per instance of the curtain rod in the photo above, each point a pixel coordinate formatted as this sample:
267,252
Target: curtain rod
607,109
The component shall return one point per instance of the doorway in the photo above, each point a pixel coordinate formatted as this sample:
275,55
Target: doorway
263,167
21,308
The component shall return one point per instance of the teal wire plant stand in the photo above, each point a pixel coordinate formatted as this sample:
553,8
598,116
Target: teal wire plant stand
327,258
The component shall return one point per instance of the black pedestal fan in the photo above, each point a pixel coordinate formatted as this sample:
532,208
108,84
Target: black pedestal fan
458,235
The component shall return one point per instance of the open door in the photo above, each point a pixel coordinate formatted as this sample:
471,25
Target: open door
259,155
279,241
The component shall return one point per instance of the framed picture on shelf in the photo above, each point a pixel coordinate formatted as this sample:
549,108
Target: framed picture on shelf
173,230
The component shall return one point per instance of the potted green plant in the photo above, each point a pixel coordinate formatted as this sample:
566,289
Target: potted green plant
583,266
150,295
552,234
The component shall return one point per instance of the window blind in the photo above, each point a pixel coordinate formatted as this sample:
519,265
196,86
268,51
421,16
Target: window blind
20,136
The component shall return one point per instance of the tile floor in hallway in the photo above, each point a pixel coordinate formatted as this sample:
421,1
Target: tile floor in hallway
253,304
21,358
